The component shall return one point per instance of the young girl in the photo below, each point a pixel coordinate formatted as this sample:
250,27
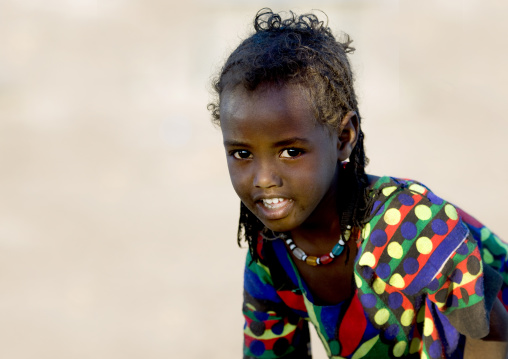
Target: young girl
382,267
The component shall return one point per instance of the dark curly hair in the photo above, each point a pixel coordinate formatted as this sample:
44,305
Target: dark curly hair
300,50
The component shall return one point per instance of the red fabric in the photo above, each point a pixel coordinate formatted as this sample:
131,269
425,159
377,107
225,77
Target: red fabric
292,300
352,327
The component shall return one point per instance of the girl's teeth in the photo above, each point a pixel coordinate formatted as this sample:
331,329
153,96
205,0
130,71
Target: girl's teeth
269,201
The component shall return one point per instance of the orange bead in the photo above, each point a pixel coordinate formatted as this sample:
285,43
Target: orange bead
311,260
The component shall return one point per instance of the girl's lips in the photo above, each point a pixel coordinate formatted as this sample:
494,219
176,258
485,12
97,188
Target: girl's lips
274,208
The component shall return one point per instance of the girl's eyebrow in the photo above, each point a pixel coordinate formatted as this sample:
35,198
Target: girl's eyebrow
233,143
291,141
282,143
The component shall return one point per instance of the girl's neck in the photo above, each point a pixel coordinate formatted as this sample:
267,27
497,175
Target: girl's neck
323,227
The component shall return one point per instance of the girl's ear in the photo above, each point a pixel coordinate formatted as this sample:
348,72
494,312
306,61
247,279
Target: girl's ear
348,135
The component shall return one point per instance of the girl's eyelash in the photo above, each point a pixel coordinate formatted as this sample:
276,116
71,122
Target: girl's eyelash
240,154
292,152
285,153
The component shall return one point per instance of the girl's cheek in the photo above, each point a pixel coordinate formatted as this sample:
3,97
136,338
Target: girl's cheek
238,182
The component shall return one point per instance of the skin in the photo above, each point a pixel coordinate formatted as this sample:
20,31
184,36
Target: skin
276,148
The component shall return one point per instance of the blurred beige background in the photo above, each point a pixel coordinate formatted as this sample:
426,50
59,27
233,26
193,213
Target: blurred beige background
117,220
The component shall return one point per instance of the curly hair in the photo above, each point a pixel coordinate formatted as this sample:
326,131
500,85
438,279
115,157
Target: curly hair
300,50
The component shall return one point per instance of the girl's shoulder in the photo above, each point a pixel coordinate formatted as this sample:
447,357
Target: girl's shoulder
410,234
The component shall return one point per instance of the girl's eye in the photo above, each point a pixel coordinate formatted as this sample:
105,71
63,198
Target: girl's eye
291,153
242,154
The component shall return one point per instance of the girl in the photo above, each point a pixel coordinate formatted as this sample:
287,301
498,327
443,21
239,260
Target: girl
382,267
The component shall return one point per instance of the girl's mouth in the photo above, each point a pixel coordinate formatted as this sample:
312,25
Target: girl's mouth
275,208
274,202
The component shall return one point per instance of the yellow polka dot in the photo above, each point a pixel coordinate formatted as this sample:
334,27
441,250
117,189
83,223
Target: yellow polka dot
379,286
397,281
358,281
392,216
451,212
487,256
421,315
398,349
423,212
367,259
395,250
407,317
417,188
389,190
366,231
424,245
428,327
381,316
415,345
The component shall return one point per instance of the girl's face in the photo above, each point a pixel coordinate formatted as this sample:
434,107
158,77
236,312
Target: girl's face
283,164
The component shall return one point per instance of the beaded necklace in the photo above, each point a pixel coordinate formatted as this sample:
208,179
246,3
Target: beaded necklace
325,258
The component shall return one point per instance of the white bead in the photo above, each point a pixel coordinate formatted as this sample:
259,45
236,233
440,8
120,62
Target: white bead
298,253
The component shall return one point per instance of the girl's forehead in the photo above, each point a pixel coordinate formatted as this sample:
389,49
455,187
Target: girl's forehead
267,113
287,101
289,96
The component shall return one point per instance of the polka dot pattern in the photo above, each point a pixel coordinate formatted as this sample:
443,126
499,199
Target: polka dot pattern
379,286
257,347
417,188
439,227
368,300
424,245
392,258
408,230
383,270
378,238
399,349
397,281
395,250
395,300
389,190
392,216
366,231
400,258
428,327
407,317
382,316
451,212
423,212
406,200
368,259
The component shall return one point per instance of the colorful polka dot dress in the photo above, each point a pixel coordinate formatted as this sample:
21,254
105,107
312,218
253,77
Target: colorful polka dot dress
426,276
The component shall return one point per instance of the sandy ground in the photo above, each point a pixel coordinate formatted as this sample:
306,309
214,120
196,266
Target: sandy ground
117,219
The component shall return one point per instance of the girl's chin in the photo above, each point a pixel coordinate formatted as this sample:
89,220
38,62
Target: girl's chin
279,227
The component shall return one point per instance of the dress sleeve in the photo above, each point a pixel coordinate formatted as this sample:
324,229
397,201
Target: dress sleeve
458,290
271,329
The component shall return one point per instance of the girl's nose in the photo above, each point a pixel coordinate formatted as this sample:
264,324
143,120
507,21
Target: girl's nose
266,177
